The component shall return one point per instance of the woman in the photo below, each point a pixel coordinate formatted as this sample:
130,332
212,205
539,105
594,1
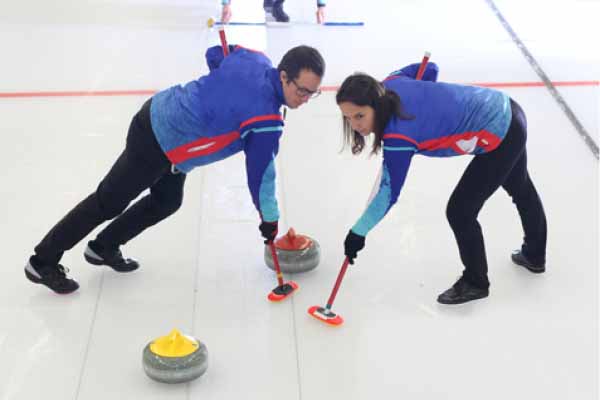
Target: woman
408,117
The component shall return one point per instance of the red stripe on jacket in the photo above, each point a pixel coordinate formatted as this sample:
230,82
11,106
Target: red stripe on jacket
237,46
392,77
485,140
202,147
400,136
270,117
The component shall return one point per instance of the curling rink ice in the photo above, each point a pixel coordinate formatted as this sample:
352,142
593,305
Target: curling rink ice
534,337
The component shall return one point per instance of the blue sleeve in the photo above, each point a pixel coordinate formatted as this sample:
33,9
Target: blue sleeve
214,56
321,3
261,145
225,2
410,71
397,154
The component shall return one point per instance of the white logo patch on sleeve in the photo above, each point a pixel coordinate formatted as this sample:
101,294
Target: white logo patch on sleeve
468,146
201,147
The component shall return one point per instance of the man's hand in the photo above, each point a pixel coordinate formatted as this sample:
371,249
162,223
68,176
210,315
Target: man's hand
268,231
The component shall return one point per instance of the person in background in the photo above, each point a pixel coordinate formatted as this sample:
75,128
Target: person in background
273,9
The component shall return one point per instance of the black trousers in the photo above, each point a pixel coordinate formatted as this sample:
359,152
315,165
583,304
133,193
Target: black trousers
272,3
140,166
505,166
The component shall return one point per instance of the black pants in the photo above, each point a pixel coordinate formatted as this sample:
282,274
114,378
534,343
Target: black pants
272,3
142,165
505,166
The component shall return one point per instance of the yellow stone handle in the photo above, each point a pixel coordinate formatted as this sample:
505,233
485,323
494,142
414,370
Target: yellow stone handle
173,345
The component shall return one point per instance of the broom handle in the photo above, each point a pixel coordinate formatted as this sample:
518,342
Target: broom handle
424,62
223,41
338,282
276,262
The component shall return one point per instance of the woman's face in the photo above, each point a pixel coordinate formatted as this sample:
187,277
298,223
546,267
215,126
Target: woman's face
361,118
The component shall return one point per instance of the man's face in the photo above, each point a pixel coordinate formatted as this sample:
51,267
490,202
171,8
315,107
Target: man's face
298,91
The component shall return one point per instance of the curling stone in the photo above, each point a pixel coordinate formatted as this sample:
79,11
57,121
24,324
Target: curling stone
296,253
175,358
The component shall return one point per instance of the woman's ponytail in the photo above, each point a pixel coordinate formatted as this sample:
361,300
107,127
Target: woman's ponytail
386,107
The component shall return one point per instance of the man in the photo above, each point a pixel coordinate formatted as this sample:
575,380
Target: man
233,108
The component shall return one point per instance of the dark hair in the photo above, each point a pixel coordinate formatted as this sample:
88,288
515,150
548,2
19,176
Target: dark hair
364,90
299,58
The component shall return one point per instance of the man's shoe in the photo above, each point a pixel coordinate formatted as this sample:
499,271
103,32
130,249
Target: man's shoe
279,14
52,276
519,258
462,292
95,254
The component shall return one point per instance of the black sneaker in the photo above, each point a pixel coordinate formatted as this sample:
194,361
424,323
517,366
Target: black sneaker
52,276
279,14
95,254
519,258
462,292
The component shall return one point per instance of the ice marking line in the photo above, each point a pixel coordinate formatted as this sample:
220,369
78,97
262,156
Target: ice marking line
144,92
79,93
546,81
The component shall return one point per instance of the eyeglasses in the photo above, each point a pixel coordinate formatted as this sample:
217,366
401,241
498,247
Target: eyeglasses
304,92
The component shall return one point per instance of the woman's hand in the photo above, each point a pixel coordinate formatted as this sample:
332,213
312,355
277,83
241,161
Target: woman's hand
352,245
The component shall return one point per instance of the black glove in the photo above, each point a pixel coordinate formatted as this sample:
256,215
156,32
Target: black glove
352,245
268,230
